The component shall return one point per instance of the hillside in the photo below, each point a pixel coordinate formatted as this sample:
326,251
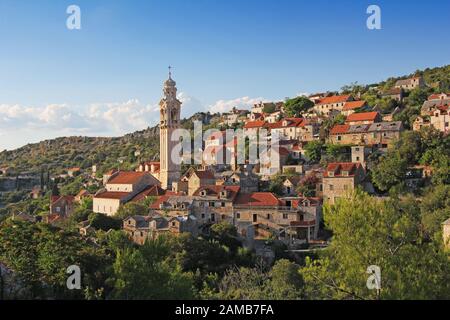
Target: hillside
59,154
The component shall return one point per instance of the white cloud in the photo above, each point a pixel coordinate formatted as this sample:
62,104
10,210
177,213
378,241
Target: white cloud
190,105
241,103
22,124
106,118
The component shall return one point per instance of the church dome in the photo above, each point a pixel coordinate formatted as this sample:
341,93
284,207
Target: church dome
170,83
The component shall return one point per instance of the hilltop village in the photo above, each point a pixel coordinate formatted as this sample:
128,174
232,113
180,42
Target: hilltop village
282,200
342,181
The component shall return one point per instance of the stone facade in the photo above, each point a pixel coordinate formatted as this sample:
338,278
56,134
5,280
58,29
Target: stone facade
340,179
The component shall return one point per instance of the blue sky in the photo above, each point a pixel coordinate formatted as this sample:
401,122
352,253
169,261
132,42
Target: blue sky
106,78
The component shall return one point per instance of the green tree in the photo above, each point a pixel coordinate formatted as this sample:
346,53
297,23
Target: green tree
103,222
295,106
313,151
286,283
384,233
145,273
132,209
390,171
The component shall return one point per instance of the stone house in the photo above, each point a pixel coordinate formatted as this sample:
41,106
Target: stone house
325,105
122,187
432,104
340,179
214,203
360,154
394,93
439,118
299,129
62,205
351,107
363,118
411,83
283,219
245,179
194,179
381,134
290,185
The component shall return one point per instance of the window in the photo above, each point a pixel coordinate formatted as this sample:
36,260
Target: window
331,187
339,138
268,216
58,209
213,217
203,216
238,215
285,216
211,204
255,217
357,158
222,204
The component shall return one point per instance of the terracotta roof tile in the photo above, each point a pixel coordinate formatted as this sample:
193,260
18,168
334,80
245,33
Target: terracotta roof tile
334,99
254,124
258,199
127,177
363,116
340,129
111,195
351,105
339,167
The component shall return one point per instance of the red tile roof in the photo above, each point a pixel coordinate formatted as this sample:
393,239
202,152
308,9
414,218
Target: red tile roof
340,129
152,191
258,199
351,105
363,116
204,174
254,124
111,195
438,96
334,99
69,199
127,177
339,167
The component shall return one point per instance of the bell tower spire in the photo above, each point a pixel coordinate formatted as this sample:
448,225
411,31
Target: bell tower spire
170,109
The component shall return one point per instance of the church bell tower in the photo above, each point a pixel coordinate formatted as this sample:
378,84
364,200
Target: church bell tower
170,108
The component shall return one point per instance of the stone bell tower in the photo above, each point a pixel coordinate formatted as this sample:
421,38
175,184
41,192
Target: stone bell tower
170,108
